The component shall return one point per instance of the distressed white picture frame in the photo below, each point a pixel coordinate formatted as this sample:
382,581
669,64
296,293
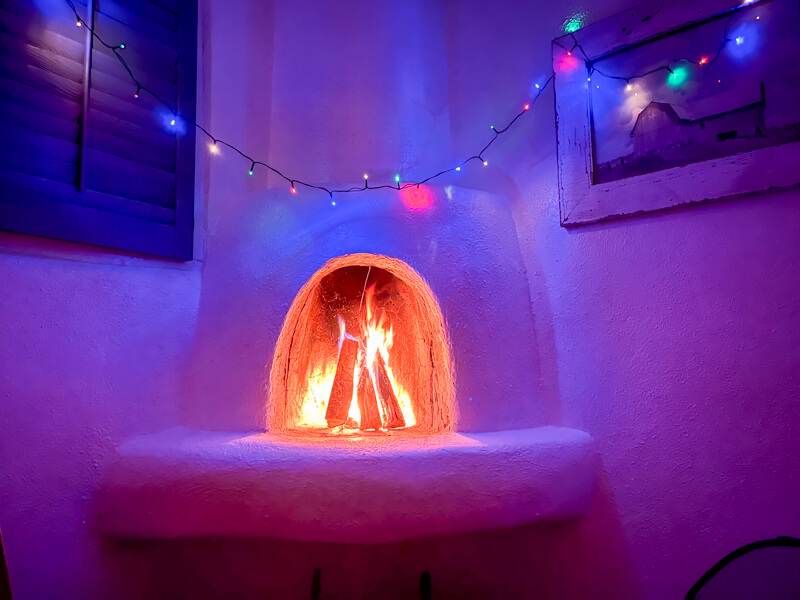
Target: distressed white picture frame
581,201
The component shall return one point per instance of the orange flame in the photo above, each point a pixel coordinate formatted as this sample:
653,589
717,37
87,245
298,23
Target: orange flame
377,337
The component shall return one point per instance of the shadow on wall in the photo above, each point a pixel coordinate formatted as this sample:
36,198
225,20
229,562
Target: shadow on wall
585,558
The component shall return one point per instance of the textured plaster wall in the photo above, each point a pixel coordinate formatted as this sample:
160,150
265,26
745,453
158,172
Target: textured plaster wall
357,86
92,345
672,338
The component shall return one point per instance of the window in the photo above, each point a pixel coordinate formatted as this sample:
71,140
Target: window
123,177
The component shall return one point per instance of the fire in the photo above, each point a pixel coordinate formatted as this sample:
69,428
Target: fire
377,339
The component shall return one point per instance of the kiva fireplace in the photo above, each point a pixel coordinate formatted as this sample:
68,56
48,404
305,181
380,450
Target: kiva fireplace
363,350
363,374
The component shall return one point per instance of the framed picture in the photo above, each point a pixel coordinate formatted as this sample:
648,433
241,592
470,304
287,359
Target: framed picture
672,103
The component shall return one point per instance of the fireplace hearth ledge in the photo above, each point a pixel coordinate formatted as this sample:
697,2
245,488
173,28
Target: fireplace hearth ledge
189,483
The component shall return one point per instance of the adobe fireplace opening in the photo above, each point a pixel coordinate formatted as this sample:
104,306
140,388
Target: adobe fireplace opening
363,350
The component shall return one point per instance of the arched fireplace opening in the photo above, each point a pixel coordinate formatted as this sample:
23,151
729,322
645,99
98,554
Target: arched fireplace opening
363,350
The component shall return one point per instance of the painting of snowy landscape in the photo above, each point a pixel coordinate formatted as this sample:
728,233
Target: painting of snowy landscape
726,98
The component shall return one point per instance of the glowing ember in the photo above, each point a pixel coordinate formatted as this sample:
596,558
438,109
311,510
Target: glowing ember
374,385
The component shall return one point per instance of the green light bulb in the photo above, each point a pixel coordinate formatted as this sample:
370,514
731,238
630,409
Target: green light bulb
678,77
574,23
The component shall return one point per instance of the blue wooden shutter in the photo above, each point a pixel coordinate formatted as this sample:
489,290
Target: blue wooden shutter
138,191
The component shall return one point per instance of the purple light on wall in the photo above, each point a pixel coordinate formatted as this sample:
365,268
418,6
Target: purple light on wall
417,198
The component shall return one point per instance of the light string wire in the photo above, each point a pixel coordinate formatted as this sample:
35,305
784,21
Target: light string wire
294,182
702,61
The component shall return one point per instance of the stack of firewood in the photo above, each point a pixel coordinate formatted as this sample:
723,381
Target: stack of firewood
352,360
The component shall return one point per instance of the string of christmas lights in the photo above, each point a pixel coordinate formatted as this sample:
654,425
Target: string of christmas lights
294,182
398,184
701,61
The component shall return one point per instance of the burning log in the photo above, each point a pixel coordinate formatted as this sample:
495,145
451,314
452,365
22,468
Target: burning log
367,402
342,390
391,408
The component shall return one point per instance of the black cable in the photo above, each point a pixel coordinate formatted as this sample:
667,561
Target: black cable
780,541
